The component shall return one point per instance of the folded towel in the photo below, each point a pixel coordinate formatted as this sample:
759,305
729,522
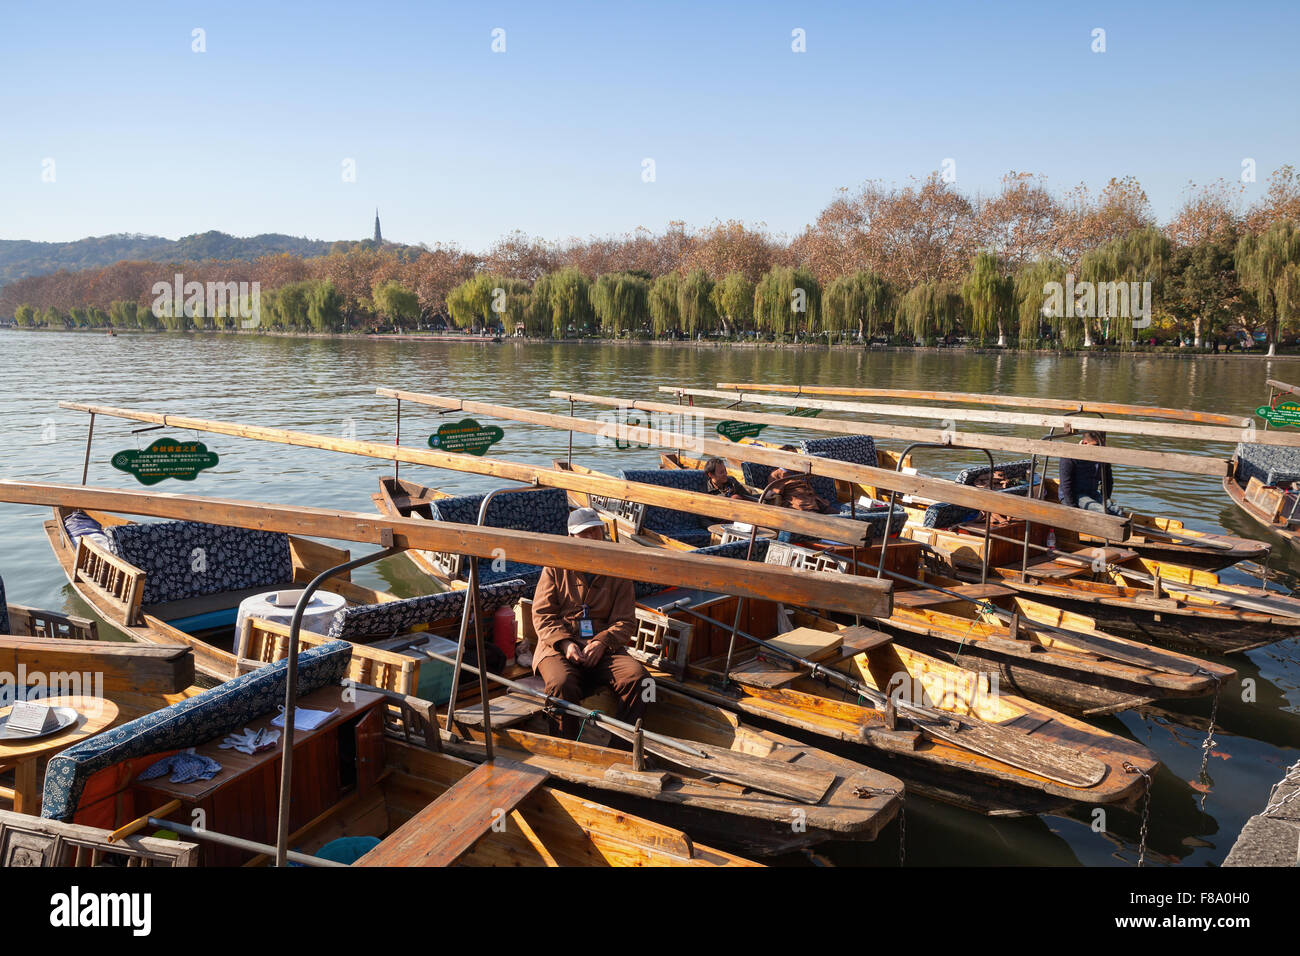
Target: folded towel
304,718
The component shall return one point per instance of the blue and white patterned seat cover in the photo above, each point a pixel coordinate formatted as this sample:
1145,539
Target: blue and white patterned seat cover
976,473
733,549
689,528
365,622
213,713
4,609
945,515
185,559
1271,464
856,449
542,511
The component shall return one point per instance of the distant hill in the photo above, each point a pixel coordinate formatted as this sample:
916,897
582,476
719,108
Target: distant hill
20,257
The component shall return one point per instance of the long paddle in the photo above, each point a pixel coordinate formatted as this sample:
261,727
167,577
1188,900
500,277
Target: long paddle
1049,760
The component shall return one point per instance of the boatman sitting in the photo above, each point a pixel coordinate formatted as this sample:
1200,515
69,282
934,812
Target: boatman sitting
721,483
584,623
1087,484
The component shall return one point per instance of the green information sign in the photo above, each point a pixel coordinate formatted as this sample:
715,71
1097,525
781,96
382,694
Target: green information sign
166,458
466,437
735,431
1281,415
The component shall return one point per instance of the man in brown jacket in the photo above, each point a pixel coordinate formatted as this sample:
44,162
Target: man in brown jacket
584,623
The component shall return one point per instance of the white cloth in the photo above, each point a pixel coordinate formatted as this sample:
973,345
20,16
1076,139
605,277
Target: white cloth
277,606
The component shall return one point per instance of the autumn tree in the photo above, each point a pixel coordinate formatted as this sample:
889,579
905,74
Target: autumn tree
397,302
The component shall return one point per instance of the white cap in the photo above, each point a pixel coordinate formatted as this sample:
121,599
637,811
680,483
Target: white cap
580,519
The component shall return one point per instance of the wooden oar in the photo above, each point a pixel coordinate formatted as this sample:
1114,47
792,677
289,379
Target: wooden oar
794,783
1049,760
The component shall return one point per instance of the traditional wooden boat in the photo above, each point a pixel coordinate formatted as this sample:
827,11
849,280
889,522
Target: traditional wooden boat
1051,656
1265,483
731,784
372,768
1152,536
963,740
1125,593
142,579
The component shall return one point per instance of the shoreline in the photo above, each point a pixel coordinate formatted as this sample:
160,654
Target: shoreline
1158,352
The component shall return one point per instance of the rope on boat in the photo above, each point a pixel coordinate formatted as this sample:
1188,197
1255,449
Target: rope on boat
591,715
1146,811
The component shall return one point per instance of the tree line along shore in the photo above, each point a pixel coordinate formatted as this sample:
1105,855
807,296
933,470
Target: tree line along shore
921,264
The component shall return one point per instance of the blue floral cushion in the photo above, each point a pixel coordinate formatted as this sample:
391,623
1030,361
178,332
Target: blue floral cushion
682,525
1271,464
944,515
542,511
366,622
1012,469
196,720
857,449
185,559
733,549
4,609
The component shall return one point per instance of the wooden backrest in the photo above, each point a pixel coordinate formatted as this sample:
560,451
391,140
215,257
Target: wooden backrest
1267,499
31,841
34,622
661,641
115,580
263,642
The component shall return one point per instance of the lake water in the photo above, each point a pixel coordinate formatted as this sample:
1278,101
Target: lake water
327,386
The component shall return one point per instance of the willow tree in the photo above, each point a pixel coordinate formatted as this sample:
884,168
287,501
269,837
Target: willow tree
695,303
621,302
786,298
324,305
990,298
1031,289
1140,256
570,296
733,300
932,309
1268,267
510,303
469,303
26,316
396,301
665,312
861,300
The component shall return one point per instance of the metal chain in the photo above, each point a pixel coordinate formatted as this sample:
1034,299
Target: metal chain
902,813
1146,811
1209,740
1292,776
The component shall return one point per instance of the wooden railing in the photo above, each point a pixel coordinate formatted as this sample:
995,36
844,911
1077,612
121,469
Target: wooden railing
116,581
263,642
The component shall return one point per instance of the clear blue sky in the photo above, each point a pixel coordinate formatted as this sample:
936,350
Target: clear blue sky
455,143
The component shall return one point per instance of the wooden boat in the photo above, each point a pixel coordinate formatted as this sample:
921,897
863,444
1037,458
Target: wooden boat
742,792
980,761
1127,594
1053,657
1263,483
1152,536
116,588
374,768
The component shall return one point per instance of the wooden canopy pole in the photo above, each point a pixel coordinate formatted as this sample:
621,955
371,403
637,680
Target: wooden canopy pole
1187,464
1074,423
673,568
1032,509
713,506
1017,401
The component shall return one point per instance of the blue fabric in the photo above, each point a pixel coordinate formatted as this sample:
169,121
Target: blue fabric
686,527
185,767
542,511
4,609
737,549
1271,464
856,449
232,558
1012,469
347,849
366,622
944,515
196,720
79,524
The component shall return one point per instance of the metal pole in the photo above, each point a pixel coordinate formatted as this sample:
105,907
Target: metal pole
291,690
85,466
239,843
397,440
571,413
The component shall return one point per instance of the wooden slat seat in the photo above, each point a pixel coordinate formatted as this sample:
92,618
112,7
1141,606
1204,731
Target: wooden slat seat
507,710
914,600
448,828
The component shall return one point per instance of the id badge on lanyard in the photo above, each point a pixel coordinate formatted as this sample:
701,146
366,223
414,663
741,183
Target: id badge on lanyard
584,626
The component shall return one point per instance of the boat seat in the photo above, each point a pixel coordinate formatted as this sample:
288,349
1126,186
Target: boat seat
507,710
809,643
362,623
684,526
1271,464
1057,570
448,828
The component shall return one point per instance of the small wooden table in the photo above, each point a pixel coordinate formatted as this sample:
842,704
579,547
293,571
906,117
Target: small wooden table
95,714
723,530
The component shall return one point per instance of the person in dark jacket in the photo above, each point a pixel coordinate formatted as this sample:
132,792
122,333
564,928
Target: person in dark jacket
1087,484
721,483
